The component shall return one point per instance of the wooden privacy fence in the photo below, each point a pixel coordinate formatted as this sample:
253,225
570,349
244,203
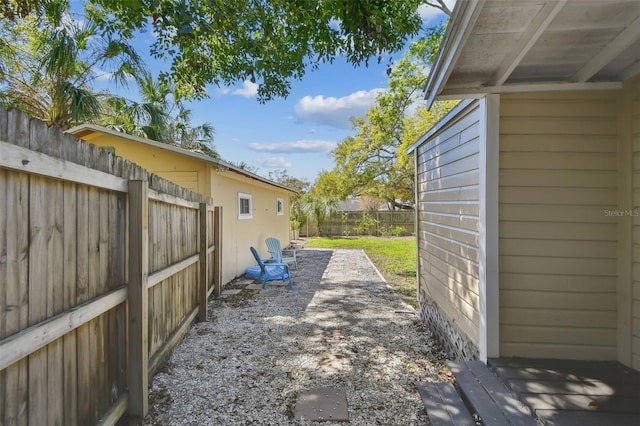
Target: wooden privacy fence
351,223
103,267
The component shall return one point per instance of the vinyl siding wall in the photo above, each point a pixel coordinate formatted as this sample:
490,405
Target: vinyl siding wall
558,246
448,196
634,88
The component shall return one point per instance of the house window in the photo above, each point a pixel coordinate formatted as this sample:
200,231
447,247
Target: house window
279,206
245,207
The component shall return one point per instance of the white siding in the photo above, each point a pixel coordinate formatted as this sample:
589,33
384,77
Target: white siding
447,177
558,246
635,326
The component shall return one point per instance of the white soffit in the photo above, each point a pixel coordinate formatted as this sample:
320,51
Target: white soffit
502,46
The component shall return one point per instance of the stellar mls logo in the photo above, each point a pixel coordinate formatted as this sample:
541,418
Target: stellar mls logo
622,213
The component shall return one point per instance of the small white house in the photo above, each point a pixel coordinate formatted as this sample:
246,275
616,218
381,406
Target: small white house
528,193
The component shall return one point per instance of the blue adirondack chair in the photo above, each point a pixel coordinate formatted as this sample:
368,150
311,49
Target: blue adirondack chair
272,271
278,254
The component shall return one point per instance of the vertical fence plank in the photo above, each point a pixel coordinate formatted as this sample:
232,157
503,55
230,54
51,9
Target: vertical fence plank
93,349
82,295
217,258
38,277
16,272
202,250
69,301
62,244
138,304
103,286
55,305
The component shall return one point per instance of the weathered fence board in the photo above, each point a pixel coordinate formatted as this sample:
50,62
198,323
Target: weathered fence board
74,352
352,223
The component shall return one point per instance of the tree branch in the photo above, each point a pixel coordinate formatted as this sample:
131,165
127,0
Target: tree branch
439,4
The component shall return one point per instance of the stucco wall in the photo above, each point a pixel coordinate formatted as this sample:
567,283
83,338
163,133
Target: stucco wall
558,246
447,232
223,186
184,171
239,234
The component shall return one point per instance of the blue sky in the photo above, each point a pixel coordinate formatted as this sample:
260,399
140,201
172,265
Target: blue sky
298,133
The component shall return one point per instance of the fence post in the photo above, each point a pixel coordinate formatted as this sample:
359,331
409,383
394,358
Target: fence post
202,247
217,254
138,375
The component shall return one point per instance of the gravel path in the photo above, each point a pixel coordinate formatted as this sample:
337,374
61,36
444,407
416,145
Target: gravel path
341,326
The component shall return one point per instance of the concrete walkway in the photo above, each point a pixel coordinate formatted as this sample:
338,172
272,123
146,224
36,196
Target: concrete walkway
281,356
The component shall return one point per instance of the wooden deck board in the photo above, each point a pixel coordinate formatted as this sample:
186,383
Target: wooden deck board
443,405
539,401
535,374
514,410
570,387
570,392
479,399
582,418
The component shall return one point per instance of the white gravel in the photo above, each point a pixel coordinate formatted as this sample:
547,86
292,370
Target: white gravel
341,326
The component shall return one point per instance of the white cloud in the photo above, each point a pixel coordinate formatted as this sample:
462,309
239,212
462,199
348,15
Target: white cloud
273,163
335,112
248,90
427,12
102,75
296,147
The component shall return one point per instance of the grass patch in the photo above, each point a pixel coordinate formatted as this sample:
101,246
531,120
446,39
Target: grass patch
395,258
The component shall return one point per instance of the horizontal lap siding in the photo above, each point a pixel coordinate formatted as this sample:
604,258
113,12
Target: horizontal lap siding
635,328
448,221
558,176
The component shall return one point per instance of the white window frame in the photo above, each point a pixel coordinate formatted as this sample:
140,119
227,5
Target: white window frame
244,196
280,206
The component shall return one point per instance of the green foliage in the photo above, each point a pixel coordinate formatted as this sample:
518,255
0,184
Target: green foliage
159,117
297,213
344,216
375,162
319,208
366,226
327,185
270,42
387,230
48,63
283,178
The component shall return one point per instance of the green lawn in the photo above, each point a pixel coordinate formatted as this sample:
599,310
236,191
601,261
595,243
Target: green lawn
394,257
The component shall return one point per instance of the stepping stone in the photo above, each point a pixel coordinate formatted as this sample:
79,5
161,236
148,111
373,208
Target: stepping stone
254,287
322,404
231,292
243,282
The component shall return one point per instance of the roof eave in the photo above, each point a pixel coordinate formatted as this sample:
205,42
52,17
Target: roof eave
462,21
219,163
